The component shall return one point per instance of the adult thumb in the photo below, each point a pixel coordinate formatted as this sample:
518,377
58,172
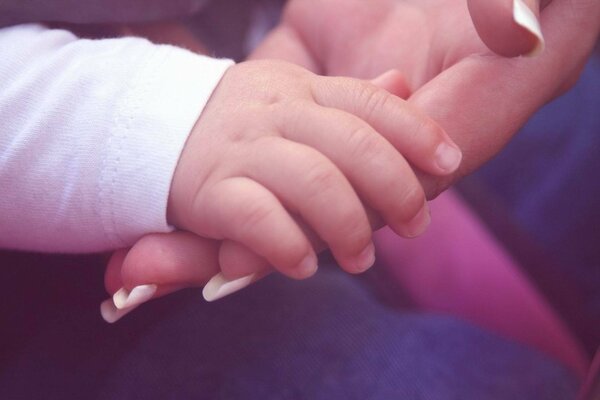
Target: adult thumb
509,28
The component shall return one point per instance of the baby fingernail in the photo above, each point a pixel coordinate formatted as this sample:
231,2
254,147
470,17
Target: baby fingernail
219,286
110,313
419,223
448,157
307,267
138,295
366,258
526,18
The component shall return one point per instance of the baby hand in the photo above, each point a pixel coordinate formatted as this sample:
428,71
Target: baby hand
276,143
180,259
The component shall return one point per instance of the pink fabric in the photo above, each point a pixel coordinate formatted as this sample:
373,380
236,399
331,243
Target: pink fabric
458,268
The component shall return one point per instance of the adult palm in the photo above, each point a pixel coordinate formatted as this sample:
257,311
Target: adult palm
478,96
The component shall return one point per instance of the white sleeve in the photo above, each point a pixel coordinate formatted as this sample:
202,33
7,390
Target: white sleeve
90,135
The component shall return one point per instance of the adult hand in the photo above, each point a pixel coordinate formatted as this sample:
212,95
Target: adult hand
479,97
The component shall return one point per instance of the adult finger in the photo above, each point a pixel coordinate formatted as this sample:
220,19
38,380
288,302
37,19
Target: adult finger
283,43
169,259
508,27
240,267
483,101
156,265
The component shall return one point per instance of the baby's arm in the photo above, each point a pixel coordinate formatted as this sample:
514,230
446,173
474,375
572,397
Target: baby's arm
90,137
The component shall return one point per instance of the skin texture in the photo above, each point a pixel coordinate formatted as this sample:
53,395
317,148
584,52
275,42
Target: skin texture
276,142
480,98
181,259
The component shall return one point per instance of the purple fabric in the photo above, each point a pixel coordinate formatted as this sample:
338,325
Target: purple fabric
326,338
546,180
94,11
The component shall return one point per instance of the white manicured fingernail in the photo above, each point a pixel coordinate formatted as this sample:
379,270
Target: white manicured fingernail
138,295
525,18
218,286
110,313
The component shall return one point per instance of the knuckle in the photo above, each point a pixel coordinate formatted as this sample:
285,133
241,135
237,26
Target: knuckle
256,213
362,141
373,99
290,116
321,177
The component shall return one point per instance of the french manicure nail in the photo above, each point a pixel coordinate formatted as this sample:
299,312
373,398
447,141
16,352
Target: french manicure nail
448,157
526,18
111,314
138,295
419,223
218,286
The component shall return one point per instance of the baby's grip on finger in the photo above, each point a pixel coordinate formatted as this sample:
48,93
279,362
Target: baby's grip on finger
378,173
170,259
311,185
237,261
417,137
242,210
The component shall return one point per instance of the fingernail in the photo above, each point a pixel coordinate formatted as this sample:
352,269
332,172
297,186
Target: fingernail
448,157
366,258
308,266
138,295
218,286
526,18
111,314
419,223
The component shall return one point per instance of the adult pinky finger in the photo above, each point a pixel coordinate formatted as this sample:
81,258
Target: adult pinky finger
244,211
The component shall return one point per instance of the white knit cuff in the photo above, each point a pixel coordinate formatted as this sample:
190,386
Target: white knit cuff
153,120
